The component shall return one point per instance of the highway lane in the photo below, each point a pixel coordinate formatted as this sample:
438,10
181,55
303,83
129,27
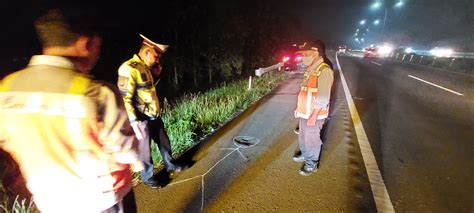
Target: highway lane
263,177
420,123
420,136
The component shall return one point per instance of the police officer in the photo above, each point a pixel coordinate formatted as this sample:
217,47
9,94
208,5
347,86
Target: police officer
136,84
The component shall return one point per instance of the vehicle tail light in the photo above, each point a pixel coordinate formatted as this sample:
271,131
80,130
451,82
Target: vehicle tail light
286,58
299,58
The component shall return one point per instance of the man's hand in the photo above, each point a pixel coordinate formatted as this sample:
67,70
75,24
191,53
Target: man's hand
138,131
137,166
156,70
314,116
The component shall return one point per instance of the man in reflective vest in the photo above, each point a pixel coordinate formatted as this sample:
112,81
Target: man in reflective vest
69,134
313,105
136,84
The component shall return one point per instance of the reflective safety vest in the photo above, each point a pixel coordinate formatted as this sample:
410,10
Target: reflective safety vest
68,136
307,95
136,85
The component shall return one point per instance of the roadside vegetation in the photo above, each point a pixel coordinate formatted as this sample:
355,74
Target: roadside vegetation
18,205
14,197
194,116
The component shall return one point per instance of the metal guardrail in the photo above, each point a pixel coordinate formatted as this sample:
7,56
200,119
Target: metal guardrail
453,55
462,63
457,62
260,71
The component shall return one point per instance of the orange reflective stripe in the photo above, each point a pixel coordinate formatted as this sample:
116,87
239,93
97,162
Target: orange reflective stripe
313,81
78,85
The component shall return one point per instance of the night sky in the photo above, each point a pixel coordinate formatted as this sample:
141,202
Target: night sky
421,23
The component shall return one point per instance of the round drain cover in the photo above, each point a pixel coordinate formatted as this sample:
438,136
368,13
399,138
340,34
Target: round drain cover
245,141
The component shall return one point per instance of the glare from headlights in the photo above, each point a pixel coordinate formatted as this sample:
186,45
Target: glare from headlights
385,49
441,52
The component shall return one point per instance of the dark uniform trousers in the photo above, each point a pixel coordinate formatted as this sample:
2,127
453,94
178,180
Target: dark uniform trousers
154,129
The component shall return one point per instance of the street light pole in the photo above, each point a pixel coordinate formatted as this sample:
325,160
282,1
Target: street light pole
384,20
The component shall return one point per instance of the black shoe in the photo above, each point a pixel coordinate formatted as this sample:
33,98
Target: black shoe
153,184
174,169
297,130
298,158
308,168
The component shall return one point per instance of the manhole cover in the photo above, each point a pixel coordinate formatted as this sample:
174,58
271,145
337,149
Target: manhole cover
245,141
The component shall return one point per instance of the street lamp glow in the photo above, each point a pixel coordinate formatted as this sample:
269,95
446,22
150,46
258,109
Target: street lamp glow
376,5
399,4
377,22
362,22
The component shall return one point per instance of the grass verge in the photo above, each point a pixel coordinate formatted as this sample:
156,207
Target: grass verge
194,116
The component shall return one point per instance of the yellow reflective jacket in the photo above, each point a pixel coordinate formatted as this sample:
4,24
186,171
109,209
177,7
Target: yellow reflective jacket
69,134
136,85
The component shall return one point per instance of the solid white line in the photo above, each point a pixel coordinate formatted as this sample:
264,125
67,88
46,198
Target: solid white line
202,194
444,88
381,197
373,62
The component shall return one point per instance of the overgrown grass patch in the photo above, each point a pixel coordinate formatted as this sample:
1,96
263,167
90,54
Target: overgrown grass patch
194,116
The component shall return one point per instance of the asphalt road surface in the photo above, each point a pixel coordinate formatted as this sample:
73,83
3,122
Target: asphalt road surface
421,137
420,122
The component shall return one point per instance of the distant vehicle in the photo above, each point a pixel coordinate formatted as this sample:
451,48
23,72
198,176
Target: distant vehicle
342,49
292,60
371,52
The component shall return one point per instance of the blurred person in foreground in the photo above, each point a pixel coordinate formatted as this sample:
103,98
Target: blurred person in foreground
313,105
137,86
69,134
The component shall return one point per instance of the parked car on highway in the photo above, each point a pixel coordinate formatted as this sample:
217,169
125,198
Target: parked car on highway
292,60
342,49
371,52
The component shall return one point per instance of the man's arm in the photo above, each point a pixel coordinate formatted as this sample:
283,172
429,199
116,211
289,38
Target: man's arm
126,84
116,134
325,81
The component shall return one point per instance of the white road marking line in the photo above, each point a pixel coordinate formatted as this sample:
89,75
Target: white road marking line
381,196
435,85
373,62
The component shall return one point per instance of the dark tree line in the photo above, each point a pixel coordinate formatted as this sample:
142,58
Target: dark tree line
211,42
